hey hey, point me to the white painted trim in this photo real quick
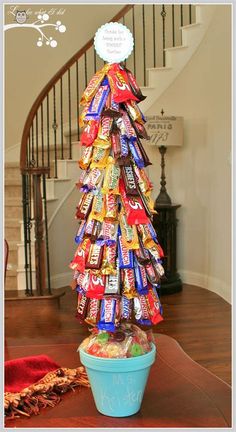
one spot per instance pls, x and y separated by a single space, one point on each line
61 280
208 282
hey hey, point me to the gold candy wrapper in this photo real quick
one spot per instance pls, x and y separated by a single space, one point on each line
93 85
111 179
98 208
104 144
146 237
129 232
86 158
100 157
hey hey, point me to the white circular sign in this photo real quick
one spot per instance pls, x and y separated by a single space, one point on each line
113 42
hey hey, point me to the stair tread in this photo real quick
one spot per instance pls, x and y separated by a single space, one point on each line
13 182
10 222
176 48
12 165
13 201
160 68
13 244
196 24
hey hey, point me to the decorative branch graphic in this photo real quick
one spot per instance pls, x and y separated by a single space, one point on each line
38 25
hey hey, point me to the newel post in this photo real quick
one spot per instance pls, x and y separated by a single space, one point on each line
39 236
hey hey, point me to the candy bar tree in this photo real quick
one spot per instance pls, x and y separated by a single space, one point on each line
117 265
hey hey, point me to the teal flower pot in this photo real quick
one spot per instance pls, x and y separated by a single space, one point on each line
118 384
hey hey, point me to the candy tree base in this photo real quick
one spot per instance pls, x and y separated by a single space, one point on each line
118 384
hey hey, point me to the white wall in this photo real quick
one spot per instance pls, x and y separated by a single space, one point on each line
199 173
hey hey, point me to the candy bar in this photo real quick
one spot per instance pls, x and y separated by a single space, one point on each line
133 110
111 108
107 314
100 157
151 272
86 158
154 306
141 131
113 282
94 260
134 86
94 84
140 278
118 81
93 311
98 102
109 259
92 179
111 206
126 256
116 144
136 153
124 146
133 207
128 283
146 237
96 286
129 180
89 133
80 257
126 308
105 128
144 154
84 205
82 305
141 310
108 234
111 179
95 230
98 207
80 232
130 131
129 232
142 254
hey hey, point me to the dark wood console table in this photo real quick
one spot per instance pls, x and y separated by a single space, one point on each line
180 393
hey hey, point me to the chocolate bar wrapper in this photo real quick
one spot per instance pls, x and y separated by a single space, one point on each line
142 315
89 133
119 84
98 102
82 305
133 207
84 205
93 312
94 260
109 259
140 278
107 314
129 180
113 282
94 84
84 162
126 308
111 205
129 233
80 233
126 256
128 283
100 157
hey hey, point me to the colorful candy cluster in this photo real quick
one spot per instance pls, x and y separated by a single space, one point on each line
117 264
128 341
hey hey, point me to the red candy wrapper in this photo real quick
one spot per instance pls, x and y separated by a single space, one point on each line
133 207
89 133
94 260
96 287
154 307
119 84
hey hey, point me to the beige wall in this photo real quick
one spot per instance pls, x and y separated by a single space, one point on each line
28 68
199 173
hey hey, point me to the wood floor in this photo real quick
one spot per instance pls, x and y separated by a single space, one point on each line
198 319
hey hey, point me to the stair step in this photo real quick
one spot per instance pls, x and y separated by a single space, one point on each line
13 188
12 171
189 26
11 281
12 229
13 252
176 48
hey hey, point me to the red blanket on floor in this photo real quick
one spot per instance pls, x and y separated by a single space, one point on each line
22 372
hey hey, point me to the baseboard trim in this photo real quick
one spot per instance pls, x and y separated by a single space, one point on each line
208 282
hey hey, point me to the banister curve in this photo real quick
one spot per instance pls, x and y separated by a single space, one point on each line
49 86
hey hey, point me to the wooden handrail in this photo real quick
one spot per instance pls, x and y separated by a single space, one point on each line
49 86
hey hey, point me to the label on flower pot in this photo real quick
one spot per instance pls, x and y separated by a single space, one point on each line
113 42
